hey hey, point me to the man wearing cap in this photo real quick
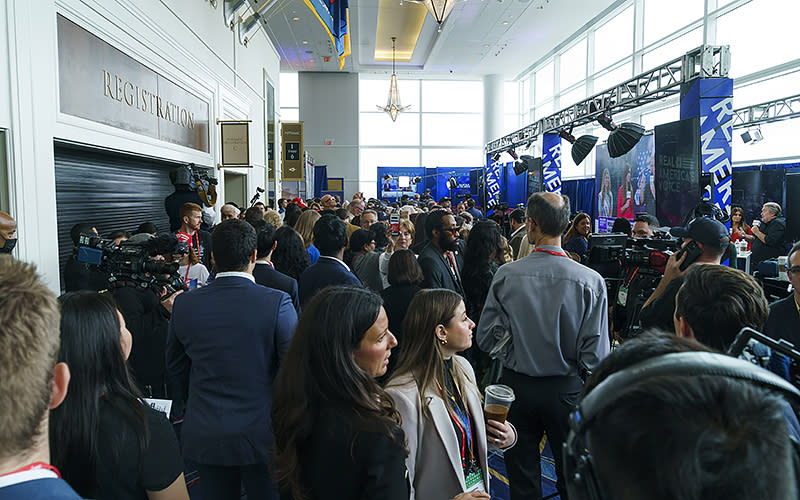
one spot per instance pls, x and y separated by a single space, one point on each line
8 233
712 238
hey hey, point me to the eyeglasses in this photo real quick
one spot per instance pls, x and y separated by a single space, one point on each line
795 269
451 230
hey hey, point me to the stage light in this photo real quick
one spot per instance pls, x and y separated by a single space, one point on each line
495 156
622 138
581 147
752 136
513 154
527 163
416 180
452 183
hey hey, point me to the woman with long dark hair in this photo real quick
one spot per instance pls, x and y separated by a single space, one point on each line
436 394
337 433
740 229
577 238
482 257
105 441
290 256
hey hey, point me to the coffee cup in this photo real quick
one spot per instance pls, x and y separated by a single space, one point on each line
756 223
497 402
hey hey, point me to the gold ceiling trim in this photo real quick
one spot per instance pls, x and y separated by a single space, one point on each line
402 21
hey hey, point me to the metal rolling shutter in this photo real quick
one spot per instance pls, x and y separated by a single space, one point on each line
108 189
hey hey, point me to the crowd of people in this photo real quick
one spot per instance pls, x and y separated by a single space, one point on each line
342 349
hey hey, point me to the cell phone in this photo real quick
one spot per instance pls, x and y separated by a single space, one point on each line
394 224
692 251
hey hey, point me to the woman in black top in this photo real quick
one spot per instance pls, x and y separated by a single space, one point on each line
405 276
105 440
337 433
290 256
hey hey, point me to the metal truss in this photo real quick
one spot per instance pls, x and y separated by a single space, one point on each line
705 61
767 112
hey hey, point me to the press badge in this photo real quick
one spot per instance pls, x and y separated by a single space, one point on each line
474 481
622 296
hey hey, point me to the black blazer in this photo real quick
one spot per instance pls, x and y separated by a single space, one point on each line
352 460
437 270
326 272
224 345
396 300
783 321
267 276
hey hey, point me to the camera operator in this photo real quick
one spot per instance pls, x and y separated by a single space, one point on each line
644 226
181 178
704 241
147 312
80 275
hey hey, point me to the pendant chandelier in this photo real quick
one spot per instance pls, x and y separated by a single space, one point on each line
439 9
393 106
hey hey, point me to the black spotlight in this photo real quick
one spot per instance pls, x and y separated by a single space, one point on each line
622 138
581 147
527 163
416 180
452 183
495 156
513 154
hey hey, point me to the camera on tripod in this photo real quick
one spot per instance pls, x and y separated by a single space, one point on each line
134 263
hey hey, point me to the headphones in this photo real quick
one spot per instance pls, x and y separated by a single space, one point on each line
579 470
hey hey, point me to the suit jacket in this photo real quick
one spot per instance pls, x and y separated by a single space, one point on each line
39 489
354 458
434 460
267 276
437 271
224 345
784 321
326 272
516 240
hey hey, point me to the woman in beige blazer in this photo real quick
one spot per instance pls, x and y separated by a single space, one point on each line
435 392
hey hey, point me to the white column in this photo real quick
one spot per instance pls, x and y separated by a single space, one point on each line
492 107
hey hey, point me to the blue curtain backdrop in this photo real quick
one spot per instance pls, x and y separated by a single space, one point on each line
581 195
320 180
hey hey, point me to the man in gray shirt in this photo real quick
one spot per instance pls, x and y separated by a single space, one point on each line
556 312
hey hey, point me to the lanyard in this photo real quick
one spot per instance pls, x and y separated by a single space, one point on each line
35 466
559 254
460 417
451 263
186 277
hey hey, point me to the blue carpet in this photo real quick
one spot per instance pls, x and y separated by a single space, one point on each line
498 484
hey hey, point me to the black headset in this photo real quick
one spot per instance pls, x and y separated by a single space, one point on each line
579 469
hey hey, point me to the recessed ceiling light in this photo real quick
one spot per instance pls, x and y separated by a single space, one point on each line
295 18
505 22
305 42
486 46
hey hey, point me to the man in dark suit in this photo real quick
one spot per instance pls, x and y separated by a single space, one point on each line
330 238
784 315
518 231
224 345
264 272
440 261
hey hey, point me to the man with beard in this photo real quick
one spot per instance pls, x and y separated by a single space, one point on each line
440 261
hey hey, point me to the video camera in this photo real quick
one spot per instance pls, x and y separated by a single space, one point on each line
195 178
632 268
134 262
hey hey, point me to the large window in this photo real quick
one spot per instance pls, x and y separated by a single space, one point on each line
662 18
443 128
289 96
613 41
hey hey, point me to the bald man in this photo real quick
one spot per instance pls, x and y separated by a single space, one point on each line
8 233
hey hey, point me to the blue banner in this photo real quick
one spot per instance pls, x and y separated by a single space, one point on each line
494 182
334 16
551 161
712 100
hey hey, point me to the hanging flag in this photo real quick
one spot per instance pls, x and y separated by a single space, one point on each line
335 18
